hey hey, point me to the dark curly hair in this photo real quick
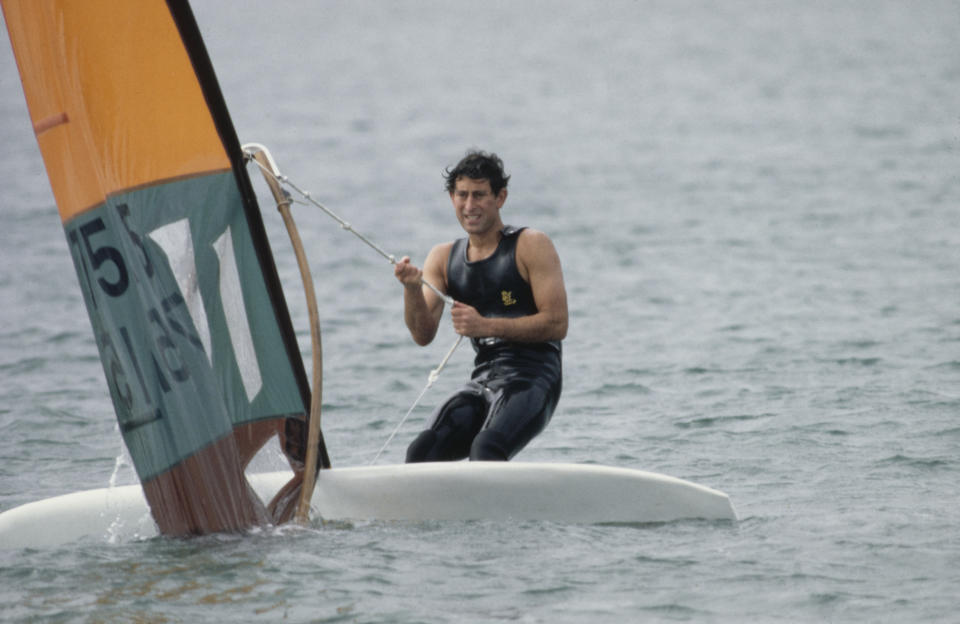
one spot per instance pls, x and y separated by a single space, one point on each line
478 165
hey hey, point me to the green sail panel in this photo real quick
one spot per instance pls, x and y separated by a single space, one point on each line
182 317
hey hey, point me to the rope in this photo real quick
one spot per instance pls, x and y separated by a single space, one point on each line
249 150
343 224
434 374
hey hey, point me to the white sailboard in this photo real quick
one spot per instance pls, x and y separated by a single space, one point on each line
460 491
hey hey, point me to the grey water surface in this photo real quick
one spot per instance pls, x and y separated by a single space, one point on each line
756 206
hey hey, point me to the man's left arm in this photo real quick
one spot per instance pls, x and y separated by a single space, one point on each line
539 264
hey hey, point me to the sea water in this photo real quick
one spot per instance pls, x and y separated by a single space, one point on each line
756 207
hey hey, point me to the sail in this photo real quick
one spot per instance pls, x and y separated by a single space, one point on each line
194 336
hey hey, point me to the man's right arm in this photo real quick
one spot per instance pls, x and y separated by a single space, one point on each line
422 308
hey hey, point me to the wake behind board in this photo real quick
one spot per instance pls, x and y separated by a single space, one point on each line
509 491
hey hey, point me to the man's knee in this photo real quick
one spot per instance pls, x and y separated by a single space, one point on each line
421 447
490 445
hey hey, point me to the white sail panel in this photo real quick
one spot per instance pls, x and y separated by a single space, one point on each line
237 322
175 240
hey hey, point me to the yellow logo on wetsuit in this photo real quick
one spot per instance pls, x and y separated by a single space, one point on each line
507 297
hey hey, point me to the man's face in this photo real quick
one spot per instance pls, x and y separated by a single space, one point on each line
477 208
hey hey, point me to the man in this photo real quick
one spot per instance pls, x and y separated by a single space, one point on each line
510 301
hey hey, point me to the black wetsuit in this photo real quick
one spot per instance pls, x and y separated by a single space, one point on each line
514 387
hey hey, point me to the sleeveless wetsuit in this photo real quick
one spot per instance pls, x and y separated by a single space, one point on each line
514 387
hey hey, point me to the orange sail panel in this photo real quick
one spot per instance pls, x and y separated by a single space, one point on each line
112 95
194 335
